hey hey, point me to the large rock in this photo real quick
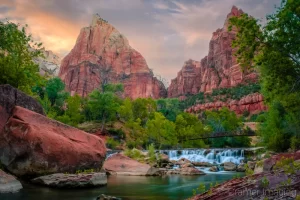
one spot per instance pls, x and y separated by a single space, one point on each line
81 180
120 164
11 97
8 183
229 166
103 55
33 145
270 184
252 103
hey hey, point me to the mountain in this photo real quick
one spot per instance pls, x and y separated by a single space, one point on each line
103 55
49 65
219 69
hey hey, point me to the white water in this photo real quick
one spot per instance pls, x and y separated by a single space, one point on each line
215 156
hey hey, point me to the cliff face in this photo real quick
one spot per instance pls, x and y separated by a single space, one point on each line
253 103
219 69
102 55
49 65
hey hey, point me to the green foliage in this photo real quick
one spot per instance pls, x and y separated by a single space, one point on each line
249 171
143 109
226 121
55 91
273 49
222 94
288 165
137 136
170 108
161 131
103 106
112 144
17 52
126 110
134 154
265 182
151 153
188 126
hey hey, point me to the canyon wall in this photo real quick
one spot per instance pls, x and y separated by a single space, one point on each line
219 69
103 55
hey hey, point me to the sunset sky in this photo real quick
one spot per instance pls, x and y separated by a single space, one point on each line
165 32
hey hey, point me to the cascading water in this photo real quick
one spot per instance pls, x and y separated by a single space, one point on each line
213 156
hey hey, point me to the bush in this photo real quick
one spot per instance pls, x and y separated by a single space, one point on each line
111 143
134 154
151 153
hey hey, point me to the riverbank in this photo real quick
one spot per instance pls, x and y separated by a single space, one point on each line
171 187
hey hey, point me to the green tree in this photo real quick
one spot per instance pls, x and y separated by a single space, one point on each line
55 90
161 131
17 52
103 106
273 50
125 110
226 121
137 135
170 108
143 109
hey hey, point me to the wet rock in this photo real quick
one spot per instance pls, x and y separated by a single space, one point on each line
229 166
120 164
186 165
8 183
32 145
213 169
182 161
251 165
191 171
241 168
106 197
202 164
81 180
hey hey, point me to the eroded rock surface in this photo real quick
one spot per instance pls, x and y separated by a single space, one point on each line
103 55
33 145
8 183
81 180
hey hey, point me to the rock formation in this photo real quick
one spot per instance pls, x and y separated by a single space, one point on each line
252 103
49 64
8 183
33 145
103 55
11 97
219 69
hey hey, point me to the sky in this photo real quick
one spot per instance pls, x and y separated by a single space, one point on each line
165 32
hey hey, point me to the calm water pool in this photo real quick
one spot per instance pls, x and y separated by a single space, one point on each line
127 187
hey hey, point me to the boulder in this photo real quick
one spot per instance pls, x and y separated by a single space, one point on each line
251 165
186 165
241 168
8 183
11 97
120 164
213 169
202 164
33 145
81 180
229 166
106 197
182 161
191 171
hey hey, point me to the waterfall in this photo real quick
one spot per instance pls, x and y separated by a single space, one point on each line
213 156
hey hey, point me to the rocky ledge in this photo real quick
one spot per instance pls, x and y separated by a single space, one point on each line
277 177
8 183
61 180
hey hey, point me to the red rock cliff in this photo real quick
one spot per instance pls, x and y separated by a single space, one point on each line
218 69
103 55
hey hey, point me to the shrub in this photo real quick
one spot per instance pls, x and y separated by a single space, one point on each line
111 143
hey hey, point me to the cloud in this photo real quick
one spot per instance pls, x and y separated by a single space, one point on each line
165 32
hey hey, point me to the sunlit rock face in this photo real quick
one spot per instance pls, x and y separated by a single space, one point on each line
219 69
103 55
48 64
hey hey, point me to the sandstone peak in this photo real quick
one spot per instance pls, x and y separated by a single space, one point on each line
97 20
103 55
